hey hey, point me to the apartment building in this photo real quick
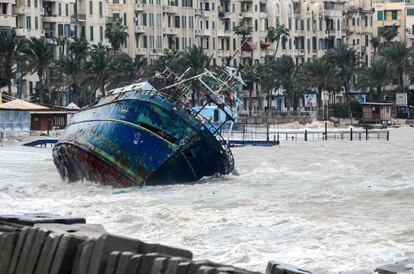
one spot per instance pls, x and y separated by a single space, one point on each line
358 18
8 13
398 15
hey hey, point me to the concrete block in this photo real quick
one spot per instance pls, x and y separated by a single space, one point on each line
133 264
147 261
30 219
172 264
183 267
112 262
47 253
6 253
83 256
27 247
123 262
196 265
35 250
281 268
159 265
167 250
91 231
206 270
65 255
17 250
404 266
103 247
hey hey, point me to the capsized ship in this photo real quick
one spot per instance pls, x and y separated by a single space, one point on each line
148 134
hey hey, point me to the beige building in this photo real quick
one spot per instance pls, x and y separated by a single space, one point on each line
398 15
358 20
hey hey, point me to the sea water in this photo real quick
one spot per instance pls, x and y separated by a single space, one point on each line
326 206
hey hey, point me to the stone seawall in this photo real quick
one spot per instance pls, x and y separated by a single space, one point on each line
52 244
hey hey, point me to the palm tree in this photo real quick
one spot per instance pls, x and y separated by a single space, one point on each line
389 33
399 57
250 76
275 34
39 55
70 66
10 50
317 73
127 69
116 33
345 60
243 29
195 58
168 59
376 76
98 67
375 41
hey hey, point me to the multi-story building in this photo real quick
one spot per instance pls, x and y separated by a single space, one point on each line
8 13
358 19
397 15
154 25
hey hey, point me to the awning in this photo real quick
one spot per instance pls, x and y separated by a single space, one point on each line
249 46
18 104
264 45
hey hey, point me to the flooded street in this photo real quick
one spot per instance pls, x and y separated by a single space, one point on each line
326 206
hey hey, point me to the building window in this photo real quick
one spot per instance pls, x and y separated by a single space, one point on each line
144 19
60 9
380 15
410 12
28 23
91 33
394 15
90 8
101 33
100 9
28 3
177 21
145 41
36 22
35 3
4 8
115 2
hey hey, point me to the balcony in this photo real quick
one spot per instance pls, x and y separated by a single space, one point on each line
224 33
139 7
246 14
141 51
170 9
21 32
390 23
202 32
141 29
170 31
20 10
224 15
224 53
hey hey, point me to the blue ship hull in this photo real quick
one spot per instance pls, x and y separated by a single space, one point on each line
137 138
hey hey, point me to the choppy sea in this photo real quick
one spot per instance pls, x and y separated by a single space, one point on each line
326 206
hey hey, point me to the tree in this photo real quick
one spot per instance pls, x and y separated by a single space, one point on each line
98 68
126 69
345 61
168 59
275 34
250 75
317 73
70 65
195 58
39 56
399 57
376 76
375 41
244 30
389 33
116 33
10 52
